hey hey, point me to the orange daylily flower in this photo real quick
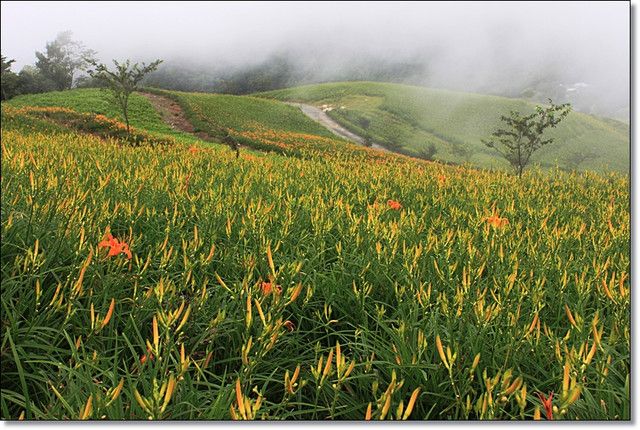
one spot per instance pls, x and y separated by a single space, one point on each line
394 204
289 325
267 288
548 408
144 356
496 221
193 149
115 246
186 181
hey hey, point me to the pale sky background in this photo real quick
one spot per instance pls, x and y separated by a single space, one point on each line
472 40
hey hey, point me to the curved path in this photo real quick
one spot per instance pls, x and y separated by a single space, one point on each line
173 116
325 120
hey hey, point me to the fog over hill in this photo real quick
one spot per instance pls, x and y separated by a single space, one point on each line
570 51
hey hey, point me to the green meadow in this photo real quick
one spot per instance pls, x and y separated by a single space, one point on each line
305 277
413 118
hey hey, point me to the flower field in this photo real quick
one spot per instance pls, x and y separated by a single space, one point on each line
96 124
315 280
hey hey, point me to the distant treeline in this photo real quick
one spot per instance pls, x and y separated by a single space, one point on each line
276 72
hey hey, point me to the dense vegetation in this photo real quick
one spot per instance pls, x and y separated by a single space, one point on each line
314 280
93 101
276 72
410 119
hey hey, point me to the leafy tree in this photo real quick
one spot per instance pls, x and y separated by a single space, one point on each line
463 151
31 81
524 135
6 65
392 136
122 82
576 158
364 123
86 81
428 153
63 57
528 93
9 79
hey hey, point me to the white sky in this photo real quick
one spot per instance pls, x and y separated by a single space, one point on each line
589 35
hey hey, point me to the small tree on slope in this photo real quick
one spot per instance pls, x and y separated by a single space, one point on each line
524 135
123 81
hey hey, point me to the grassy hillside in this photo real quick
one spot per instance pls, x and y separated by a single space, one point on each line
244 113
269 125
454 122
314 280
142 115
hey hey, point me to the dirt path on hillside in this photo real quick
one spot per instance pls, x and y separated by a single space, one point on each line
325 120
173 115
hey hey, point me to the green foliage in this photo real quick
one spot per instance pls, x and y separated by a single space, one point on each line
328 286
31 81
429 152
28 81
121 82
463 151
364 122
63 57
97 125
142 115
9 79
277 71
392 136
575 159
524 134
528 93
214 113
452 120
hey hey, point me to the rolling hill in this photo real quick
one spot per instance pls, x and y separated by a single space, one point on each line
403 118
413 118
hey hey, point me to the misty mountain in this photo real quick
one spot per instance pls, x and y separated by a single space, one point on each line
294 68
576 52
279 71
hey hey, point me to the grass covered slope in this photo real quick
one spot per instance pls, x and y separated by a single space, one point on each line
244 113
415 117
185 283
142 115
269 125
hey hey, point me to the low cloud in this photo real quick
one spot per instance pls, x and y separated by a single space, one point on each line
470 46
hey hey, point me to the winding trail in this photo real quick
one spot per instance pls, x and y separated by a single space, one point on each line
325 120
173 116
